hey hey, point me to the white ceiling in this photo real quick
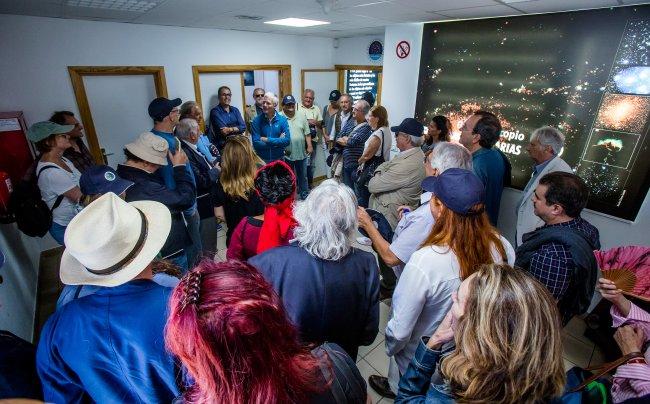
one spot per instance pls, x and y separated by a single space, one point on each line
348 17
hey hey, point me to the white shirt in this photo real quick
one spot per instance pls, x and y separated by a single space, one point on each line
57 181
422 298
409 234
385 144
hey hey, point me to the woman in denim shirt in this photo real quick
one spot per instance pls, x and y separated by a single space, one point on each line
506 347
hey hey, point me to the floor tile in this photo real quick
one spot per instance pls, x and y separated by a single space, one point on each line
365 350
597 358
378 359
576 328
568 365
577 351
366 371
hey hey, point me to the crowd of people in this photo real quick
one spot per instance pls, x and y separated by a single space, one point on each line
148 315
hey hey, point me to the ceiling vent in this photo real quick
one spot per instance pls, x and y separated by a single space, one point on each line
248 17
135 6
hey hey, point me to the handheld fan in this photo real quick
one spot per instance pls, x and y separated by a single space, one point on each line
629 268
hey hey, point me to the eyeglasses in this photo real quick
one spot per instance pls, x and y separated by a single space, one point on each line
226 95
258 95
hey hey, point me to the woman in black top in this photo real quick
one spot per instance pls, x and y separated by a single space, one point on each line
234 195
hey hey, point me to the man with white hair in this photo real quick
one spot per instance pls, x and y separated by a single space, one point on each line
544 148
397 182
354 142
329 288
202 231
414 226
270 131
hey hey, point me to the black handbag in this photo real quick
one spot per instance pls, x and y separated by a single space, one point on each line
370 166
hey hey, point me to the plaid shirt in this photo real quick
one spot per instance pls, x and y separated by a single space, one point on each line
81 159
553 265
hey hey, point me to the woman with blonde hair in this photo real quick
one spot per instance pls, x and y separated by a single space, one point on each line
235 196
460 241
507 345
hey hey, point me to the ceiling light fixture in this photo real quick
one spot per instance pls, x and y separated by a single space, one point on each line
296 22
137 6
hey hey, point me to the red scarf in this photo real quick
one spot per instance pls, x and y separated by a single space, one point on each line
278 224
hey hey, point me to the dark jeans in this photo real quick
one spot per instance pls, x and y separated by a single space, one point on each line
300 168
363 195
388 277
349 175
193 251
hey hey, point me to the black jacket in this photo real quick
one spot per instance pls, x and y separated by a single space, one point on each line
581 245
205 177
151 187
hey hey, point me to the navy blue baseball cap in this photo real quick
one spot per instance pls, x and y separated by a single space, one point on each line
382 225
458 189
161 107
288 99
335 95
410 126
98 180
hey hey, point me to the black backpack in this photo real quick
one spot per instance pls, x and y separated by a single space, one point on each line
33 217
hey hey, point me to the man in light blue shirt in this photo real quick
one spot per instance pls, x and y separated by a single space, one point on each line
415 226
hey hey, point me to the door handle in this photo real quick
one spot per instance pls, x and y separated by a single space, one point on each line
105 155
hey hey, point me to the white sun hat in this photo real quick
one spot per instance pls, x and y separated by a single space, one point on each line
111 241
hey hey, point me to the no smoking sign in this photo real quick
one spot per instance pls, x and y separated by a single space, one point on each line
403 49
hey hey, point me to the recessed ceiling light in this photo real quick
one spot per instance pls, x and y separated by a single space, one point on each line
118 5
296 22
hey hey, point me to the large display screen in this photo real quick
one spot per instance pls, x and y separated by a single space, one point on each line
585 72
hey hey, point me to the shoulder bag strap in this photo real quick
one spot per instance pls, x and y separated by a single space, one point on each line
604 368
59 198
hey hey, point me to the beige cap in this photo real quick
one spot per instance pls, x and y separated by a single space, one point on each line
150 147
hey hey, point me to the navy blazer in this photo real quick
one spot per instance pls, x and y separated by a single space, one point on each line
151 187
333 301
205 176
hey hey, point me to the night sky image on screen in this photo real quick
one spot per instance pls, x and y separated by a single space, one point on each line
577 71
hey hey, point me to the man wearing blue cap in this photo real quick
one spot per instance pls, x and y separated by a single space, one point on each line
397 182
270 131
301 143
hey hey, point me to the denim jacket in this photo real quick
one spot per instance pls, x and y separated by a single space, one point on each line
416 385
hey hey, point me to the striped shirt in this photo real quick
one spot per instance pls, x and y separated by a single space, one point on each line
632 380
354 148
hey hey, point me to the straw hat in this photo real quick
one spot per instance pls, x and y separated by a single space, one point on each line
111 241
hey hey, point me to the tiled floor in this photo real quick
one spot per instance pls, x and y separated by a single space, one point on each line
372 359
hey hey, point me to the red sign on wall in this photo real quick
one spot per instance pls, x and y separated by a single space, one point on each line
403 49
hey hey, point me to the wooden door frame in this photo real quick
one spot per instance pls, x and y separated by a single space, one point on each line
77 74
302 77
284 77
342 68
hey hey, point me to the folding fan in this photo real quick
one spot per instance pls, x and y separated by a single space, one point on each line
629 268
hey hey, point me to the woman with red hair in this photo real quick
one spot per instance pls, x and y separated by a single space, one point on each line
230 331
275 184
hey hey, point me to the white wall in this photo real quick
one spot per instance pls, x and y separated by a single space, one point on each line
399 96
35 53
354 51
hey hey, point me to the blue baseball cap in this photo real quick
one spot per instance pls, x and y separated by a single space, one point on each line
410 126
458 189
335 95
98 180
160 107
288 99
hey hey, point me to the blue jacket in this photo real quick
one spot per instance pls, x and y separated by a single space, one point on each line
422 384
109 347
334 301
273 148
